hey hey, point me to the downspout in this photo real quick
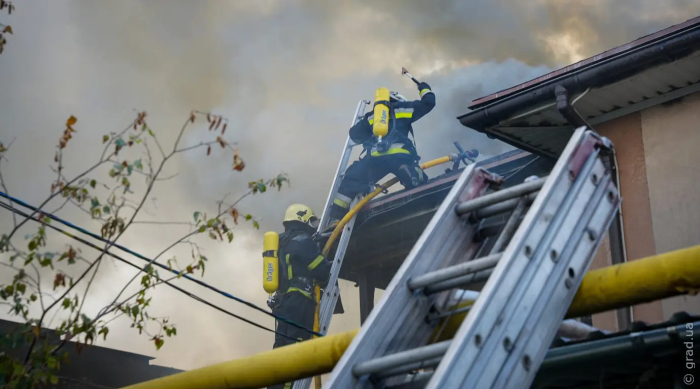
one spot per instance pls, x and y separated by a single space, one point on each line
618 249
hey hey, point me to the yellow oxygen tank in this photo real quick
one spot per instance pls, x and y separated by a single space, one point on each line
380 127
271 243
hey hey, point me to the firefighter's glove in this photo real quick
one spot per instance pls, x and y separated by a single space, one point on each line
422 86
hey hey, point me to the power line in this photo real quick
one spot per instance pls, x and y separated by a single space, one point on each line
191 295
137 255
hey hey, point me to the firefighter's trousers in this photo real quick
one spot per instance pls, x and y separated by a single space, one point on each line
297 308
362 174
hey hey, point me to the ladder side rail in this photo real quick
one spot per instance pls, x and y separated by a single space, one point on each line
535 272
331 293
483 327
557 297
498 288
342 165
332 287
399 309
545 274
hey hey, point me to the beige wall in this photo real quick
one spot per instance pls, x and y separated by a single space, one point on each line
627 136
671 135
658 156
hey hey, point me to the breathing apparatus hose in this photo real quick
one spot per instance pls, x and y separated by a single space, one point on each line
346 219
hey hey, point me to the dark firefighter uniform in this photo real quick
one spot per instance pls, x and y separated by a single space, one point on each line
395 154
301 266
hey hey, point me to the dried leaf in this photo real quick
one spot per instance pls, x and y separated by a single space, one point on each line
208 118
238 163
192 117
223 129
221 141
218 122
208 150
71 121
7 29
234 214
36 331
211 126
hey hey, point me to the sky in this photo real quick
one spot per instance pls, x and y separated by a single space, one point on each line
288 76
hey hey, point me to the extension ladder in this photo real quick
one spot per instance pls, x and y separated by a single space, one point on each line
533 263
330 295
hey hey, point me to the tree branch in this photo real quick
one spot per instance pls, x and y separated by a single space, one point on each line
4 187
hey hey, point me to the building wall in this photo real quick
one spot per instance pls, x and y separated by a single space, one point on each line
658 157
671 135
606 320
627 136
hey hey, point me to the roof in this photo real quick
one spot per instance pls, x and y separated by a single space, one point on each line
482 101
94 366
651 70
643 356
388 227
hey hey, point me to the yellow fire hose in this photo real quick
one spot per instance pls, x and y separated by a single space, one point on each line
346 219
640 281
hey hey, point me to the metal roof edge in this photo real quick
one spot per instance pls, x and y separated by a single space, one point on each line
591 61
665 49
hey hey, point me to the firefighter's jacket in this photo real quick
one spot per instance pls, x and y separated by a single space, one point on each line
403 114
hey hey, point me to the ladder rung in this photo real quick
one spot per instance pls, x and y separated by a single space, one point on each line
417 382
402 358
454 271
504 206
427 364
499 196
473 278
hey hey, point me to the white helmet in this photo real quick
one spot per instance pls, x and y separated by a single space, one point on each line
396 96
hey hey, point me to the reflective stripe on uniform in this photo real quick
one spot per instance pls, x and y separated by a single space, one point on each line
425 91
289 267
342 201
315 263
395 148
305 293
403 113
370 119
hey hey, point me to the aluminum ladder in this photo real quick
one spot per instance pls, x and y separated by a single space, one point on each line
533 263
330 295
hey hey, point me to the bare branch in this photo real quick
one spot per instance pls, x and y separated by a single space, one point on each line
201 144
163 223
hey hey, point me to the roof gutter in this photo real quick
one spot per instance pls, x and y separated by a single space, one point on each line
624 65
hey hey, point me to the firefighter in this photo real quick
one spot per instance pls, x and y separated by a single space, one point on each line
395 153
301 265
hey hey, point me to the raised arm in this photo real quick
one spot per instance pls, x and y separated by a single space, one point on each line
426 103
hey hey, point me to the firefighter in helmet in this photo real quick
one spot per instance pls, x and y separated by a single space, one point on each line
301 266
395 153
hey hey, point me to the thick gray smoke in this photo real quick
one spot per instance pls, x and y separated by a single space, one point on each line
288 75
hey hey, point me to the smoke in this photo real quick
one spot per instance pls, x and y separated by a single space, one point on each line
288 76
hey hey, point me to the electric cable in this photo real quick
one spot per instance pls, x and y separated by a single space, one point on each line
137 255
94 246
